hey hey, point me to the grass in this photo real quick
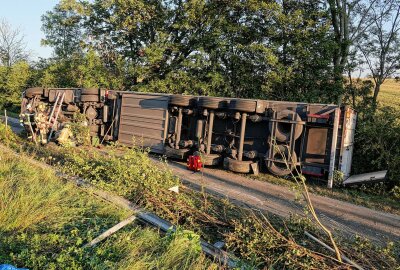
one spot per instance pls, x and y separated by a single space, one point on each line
45 221
390 93
260 242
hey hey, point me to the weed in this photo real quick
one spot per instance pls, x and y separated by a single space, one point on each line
130 173
44 223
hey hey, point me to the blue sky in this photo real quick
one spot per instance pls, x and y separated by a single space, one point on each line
26 14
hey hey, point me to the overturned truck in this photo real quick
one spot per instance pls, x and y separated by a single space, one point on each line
243 135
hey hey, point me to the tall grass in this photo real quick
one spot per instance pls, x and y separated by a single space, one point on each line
44 223
174 251
130 172
30 196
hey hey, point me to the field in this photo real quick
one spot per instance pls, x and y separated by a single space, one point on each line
390 93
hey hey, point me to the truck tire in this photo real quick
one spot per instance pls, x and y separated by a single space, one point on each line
282 153
181 100
243 105
90 91
176 153
90 98
282 132
35 91
213 103
211 159
239 166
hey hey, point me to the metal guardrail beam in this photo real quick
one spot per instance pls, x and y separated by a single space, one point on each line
219 255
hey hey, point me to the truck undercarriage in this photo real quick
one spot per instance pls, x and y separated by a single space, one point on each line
243 135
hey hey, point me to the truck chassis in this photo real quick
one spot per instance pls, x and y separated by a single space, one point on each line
243 135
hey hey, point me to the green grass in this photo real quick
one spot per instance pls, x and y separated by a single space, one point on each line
45 221
257 241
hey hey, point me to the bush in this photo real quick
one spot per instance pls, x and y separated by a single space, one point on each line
45 222
377 143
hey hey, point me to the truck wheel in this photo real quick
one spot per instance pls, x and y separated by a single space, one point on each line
282 154
239 166
90 98
213 103
282 132
243 105
176 153
211 159
90 91
181 100
35 91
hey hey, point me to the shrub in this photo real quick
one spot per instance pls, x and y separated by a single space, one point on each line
44 223
377 143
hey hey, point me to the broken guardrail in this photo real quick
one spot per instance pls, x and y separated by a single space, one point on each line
220 256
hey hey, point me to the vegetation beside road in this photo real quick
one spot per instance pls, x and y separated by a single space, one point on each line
45 221
259 242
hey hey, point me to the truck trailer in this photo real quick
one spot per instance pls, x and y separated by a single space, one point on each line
240 135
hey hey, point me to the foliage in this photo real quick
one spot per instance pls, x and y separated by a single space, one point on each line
254 49
13 80
12 45
45 227
377 144
379 42
254 237
76 71
130 172
63 31
7 136
80 130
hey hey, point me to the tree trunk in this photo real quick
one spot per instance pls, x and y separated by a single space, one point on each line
376 90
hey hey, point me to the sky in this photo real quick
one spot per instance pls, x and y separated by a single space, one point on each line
26 15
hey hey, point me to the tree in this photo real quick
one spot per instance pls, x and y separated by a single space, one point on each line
253 49
63 31
12 44
350 20
302 37
380 44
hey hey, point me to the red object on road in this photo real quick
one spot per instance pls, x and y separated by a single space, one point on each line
194 163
